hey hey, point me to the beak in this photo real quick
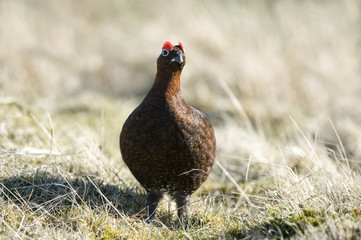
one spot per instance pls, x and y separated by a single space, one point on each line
178 59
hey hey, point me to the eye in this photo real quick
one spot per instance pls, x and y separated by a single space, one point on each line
165 52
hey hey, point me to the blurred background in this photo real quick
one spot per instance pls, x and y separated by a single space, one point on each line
269 74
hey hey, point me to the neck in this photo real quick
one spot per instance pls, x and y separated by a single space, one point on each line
166 84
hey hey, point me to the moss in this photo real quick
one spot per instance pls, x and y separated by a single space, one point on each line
297 222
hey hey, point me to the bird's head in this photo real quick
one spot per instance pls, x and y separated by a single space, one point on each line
172 57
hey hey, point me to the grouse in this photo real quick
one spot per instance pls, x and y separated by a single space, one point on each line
168 145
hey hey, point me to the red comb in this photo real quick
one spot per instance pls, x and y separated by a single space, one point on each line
181 45
168 46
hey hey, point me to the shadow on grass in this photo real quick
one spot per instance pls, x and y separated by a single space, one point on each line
44 191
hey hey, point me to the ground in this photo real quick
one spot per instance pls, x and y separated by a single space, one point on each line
279 80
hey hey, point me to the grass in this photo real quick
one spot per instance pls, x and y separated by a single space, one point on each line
279 80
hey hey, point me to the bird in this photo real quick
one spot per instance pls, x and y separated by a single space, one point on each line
168 145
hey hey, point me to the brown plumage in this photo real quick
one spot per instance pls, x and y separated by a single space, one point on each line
168 145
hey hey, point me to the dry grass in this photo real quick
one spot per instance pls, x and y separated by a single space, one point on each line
280 81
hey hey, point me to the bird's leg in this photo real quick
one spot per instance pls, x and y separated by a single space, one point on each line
152 204
182 205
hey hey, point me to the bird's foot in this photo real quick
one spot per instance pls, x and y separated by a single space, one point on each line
182 224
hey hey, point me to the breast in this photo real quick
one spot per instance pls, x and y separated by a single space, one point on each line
168 147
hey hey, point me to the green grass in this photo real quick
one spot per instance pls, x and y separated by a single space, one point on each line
280 82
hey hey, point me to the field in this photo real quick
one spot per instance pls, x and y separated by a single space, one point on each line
279 80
